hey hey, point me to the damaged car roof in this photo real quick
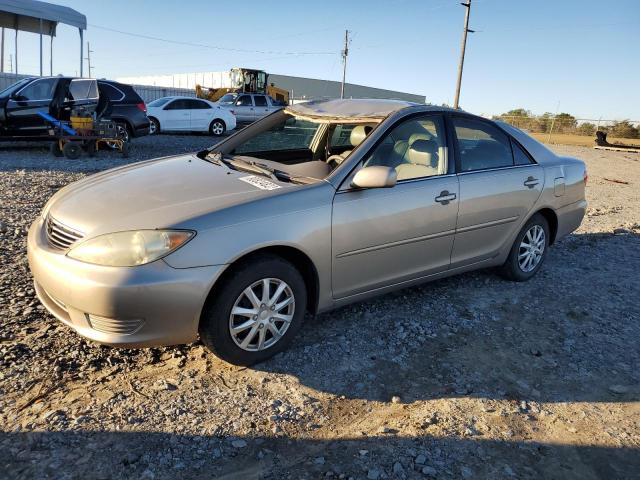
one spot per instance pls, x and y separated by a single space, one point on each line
353 110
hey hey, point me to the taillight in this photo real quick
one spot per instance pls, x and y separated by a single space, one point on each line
142 107
585 177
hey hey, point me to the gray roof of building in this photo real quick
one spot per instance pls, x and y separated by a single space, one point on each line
26 15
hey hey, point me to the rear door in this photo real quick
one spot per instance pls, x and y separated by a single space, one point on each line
243 108
176 115
262 107
201 113
23 107
497 189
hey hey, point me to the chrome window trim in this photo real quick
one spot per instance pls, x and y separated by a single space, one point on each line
495 169
400 182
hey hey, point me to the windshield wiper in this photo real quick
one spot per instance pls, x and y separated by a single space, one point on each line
218 159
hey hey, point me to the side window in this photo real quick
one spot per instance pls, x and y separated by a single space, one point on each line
177 105
416 148
39 90
519 155
481 145
260 100
80 89
244 101
197 105
112 93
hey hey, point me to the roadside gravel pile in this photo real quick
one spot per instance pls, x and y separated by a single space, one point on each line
468 377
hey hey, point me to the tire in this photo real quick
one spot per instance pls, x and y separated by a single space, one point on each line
217 318
520 269
126 149
123 133
154 126
72 150
55 149
217 128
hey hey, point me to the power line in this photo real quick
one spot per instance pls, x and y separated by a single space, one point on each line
201 45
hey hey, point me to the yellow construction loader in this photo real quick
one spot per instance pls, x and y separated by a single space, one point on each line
245 80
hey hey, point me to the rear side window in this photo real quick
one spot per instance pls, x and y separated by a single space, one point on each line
481 145
197 105
520 157
113 94
260 101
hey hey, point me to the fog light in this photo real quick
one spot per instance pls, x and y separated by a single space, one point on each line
114 325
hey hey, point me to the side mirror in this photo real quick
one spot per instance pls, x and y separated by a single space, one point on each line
375 177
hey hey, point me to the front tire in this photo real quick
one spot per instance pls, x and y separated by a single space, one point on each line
154 126
217 128
529 250
256 312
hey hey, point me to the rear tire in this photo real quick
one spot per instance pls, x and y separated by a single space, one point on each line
217 128
529 250
154 126
262 324
72 150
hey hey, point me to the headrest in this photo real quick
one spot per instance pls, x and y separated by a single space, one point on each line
423 152
358 134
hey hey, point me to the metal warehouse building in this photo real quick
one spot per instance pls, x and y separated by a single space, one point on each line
300 88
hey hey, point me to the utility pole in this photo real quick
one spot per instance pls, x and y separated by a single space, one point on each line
466 30
2 52
10 63
89 52
345 53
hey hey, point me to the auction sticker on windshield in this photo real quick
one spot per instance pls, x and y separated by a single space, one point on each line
260 182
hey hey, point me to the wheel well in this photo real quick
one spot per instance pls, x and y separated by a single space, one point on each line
294 256
552 219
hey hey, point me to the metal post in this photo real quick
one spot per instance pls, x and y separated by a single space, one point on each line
89 59
40 47
51 54
16 52
2 52
345 53
81 52
456 100
553 121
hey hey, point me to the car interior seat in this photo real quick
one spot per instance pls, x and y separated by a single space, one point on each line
421 160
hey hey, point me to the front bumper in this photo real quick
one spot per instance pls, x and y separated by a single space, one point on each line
149 305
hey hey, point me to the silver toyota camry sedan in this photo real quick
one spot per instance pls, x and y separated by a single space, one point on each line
313 207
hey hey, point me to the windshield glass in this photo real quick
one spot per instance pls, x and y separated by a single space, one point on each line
12 88
228 98
159 102
292 134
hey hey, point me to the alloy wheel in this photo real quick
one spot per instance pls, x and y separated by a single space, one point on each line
261 314
217 128
531 249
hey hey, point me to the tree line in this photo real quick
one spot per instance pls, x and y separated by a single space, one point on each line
565 123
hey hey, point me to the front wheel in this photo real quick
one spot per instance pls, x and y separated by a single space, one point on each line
256 312
154 126
528 251
217 128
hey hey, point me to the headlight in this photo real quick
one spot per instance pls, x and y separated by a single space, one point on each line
128 249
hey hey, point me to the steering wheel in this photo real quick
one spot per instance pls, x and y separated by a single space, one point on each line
335 160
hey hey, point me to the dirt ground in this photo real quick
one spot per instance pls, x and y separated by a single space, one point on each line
468 377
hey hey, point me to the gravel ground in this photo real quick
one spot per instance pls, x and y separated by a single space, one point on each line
467 377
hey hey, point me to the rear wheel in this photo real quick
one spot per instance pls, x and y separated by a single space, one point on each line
217 128
256 313
122 130
72 150
528 251
154 126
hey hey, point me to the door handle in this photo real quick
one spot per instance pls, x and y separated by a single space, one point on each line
445 197
531 182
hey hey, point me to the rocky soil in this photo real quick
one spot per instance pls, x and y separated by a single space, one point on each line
468 377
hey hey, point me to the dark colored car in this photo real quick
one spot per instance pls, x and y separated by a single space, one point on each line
21 102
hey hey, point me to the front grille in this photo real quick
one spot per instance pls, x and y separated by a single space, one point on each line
114 326
59 235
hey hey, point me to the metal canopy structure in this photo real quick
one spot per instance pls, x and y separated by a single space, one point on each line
39 17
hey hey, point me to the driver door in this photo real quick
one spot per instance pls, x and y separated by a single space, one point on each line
177 115
386 236
23 107
243 109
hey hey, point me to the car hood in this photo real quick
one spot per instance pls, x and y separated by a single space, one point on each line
159 193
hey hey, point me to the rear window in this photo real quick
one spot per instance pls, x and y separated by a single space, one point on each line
113 93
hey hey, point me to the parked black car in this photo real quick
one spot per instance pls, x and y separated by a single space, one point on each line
20 103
